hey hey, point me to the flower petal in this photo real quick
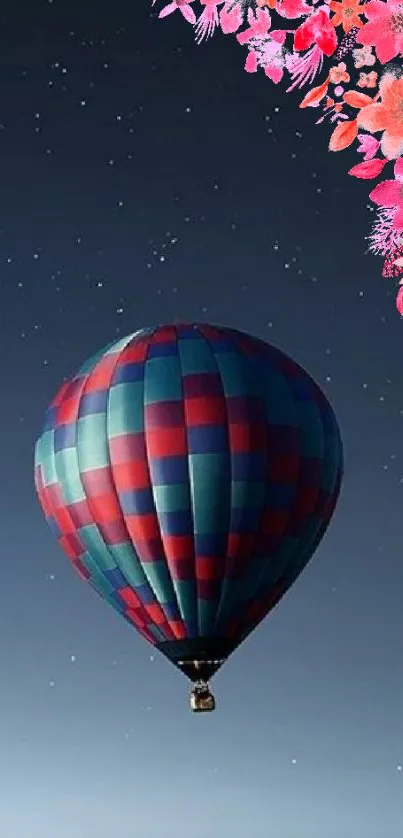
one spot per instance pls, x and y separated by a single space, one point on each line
375 9
230 21
292 9
251 62
398 219
274 73
188 13
399 300
278 35
368 169
315 96
387 85
398 170
356 99
368 34
386 47
373 117
392 143
326 40
343 135
386 194
304 36
368 146
168 10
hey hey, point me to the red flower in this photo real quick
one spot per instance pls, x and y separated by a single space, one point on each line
316 30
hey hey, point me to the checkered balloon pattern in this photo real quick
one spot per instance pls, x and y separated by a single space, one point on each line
189 473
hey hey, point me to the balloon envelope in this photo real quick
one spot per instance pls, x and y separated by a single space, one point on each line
189 473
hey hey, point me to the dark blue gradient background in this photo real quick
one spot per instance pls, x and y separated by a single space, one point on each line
142 181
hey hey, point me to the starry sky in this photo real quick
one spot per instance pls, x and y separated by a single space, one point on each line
146 180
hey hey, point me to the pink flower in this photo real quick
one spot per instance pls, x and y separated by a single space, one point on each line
363 57
389 193
265 48
339 74
183 6
368 79
316 30
368 146
384 30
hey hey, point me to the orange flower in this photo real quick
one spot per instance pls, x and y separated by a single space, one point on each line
346 13
368 79
386 116
339 74
271 4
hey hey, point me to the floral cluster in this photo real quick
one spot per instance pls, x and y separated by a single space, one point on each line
354 49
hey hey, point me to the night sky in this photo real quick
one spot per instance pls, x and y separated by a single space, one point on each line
146 180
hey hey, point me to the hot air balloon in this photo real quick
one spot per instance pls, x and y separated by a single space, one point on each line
189 472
